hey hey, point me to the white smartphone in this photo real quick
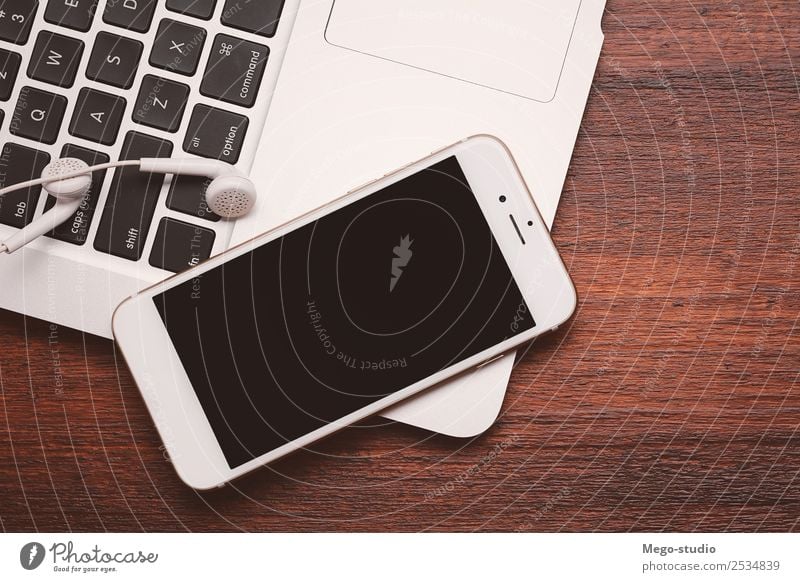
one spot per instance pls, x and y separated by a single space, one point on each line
430 271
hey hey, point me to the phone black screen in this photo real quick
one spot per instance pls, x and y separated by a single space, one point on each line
342 312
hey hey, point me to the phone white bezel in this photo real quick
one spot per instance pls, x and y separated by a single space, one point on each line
178 415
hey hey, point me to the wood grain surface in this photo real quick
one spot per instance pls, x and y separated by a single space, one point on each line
670 402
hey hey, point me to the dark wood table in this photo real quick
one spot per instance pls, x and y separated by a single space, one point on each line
671 401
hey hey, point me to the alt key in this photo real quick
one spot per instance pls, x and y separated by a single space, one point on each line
217 134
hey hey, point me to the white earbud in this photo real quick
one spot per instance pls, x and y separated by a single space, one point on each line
67 188
69 193
230 194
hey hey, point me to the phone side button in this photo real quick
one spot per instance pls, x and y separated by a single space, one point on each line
364 185
489 361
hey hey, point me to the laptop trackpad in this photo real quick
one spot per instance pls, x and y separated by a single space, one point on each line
515 46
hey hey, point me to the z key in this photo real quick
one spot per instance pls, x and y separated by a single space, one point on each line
9 67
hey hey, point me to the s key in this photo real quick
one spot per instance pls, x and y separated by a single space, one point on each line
114 60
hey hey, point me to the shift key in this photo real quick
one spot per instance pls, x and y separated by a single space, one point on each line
132 199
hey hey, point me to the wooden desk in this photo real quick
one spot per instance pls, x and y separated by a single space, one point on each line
671 401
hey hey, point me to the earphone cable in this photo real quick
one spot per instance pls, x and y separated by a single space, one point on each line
75 174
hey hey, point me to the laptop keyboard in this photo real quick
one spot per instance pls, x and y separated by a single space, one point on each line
125 79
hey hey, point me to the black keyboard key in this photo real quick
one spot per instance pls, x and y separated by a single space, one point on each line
179 245
16 19
214 133
9 67
97 116
75 230
55 59
20 164
114 60
258 16
38 115
178 47
132 199
74 14
161 103
234 71
131 14
2 117
188 195
198 8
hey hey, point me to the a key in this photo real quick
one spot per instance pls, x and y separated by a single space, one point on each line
259 16
131 14
38 115
9 67
179 245
114 60
234 71
188 195
20 164
97 116
75 229
2 117
214 133
197 8
55 59
132 199
161 103
16 19
75 14
178 47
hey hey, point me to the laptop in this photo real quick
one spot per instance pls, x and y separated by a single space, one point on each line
312 97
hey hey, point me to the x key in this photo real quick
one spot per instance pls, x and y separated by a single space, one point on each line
178 47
